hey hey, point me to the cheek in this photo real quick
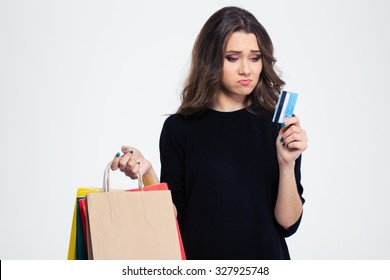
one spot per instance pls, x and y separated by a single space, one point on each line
228 73
257 70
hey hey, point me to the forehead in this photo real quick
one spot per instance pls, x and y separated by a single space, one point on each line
240 41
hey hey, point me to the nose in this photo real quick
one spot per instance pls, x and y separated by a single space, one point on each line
244 68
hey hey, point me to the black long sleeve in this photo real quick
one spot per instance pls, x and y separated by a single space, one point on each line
223 173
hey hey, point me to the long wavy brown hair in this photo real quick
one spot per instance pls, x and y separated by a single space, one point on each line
204 80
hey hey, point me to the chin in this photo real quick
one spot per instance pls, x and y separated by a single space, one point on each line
246 93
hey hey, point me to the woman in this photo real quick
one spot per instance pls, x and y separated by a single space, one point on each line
234 175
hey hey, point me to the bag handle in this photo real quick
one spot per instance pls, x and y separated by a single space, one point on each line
106 179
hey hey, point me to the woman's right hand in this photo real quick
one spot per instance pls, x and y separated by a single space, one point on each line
132 162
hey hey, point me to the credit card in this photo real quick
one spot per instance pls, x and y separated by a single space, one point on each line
285 106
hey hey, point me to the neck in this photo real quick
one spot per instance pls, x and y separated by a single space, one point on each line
225 103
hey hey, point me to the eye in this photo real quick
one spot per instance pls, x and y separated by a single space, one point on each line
255 58
231 59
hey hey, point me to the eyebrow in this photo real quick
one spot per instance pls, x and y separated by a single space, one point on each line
239 52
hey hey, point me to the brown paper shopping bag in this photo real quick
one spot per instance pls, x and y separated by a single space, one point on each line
132 225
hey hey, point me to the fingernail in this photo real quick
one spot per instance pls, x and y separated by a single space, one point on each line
281 139
125 150
131 152
283 124
117 154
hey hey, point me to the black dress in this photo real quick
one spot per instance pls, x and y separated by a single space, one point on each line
222 170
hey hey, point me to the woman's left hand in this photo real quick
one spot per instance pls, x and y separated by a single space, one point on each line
291 141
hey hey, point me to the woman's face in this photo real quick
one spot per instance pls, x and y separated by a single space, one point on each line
242 65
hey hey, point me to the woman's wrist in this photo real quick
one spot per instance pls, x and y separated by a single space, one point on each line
149 177
285 168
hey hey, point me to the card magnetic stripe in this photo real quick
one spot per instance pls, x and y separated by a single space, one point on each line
279 106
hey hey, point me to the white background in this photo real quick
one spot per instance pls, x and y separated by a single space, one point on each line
79 79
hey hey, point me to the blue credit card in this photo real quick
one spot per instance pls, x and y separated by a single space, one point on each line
285 106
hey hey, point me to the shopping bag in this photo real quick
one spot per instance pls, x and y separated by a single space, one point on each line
83 217
81 248
81 245
78 236
164 187
77 246
137 224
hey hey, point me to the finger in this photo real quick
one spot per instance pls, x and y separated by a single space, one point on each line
282 131
292 121
131 163
296 138
115 162
287 123
297 145
293 134
293 129
128 150
123 161
293 139
125 149
286 133
132 169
